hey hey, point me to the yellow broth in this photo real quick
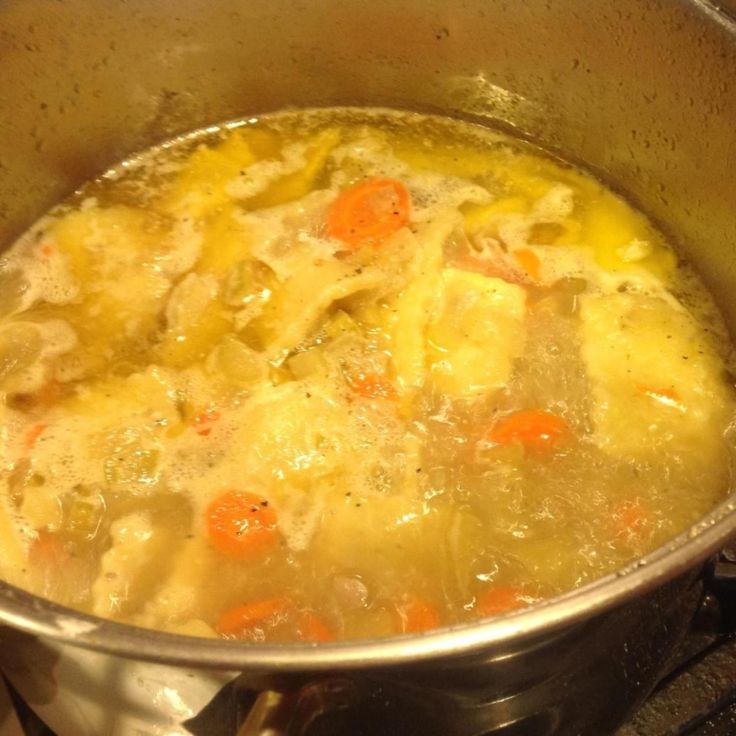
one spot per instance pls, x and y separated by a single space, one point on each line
347 374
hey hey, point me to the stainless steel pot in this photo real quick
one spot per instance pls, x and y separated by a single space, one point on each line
641 91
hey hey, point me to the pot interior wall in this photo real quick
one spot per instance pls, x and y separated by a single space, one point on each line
642 92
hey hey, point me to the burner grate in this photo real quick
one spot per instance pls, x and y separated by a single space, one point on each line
697 699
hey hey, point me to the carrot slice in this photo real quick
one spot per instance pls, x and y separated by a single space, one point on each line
373 386
47 551
202 421
500 600
369 212
236 621
240 621
630 519
530 262
417 614
241 525
33 434
312 628
532 428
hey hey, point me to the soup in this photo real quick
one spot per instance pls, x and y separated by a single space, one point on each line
346 374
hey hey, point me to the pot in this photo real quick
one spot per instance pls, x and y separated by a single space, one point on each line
643 93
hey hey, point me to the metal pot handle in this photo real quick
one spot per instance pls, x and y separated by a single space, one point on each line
278 713
723 579
724 571
721 585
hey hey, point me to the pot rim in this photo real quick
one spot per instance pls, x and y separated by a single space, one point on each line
40 617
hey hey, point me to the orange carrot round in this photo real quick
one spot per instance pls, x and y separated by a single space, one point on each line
33 434
312 628
373 386
369 212
530 262
630 519
47 551
532 428
417 614
500 600
202 421
241 525
236 621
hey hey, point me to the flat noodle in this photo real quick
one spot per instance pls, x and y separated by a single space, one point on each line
472 312
413 306
13 554
126 578
180 597
13 543
655 379
305 298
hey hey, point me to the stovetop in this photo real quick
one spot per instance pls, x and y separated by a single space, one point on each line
697 697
